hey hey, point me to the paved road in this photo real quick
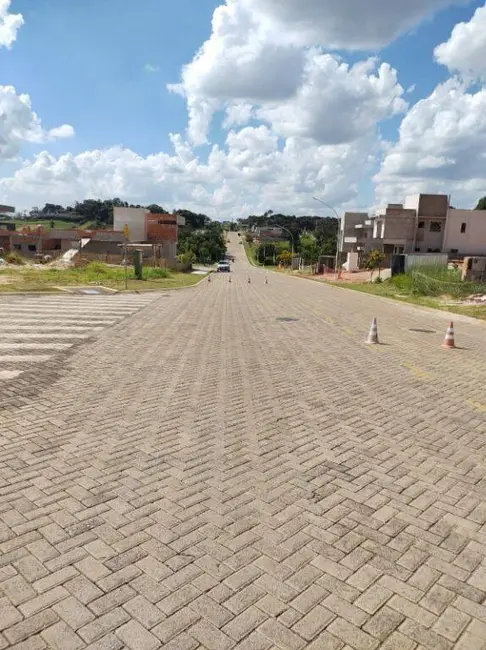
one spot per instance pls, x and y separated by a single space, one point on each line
231 467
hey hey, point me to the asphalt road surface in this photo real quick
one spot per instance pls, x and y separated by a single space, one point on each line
230 466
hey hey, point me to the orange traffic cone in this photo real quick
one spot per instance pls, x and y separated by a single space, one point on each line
373 334
449 342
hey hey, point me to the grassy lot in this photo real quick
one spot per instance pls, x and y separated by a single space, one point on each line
27 278
251 255
250 252
429 287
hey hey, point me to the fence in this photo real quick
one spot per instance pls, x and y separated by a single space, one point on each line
426 259
441 281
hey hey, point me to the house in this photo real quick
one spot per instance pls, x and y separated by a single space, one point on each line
270 233
355 234
394 229
431 211
424 223
7 210
143 227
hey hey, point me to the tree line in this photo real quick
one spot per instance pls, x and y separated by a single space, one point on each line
311 237
201 239
97 212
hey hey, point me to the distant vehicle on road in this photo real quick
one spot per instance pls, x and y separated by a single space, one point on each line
223 266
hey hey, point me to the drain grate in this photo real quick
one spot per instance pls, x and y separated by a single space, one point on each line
420 331
286 319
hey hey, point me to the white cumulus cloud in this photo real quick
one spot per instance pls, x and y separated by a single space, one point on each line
258 55
347 25
336 102
253 172
19 124
465 51
9 24
298 119
61 132
441 147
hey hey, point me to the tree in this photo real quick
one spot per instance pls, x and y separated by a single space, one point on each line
204 244
52 208
375 260
285 258
193 221
481 204
153 208
309 248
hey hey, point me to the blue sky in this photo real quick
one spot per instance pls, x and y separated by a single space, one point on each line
103 67
83 63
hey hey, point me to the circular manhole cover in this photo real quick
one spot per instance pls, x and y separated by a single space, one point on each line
421 331
286 319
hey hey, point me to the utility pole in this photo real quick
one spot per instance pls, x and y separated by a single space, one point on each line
336 261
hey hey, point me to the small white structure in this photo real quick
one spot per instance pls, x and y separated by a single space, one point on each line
352 263
135 219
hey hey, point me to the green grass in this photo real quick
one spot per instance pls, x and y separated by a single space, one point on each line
427 288
250 253
47 279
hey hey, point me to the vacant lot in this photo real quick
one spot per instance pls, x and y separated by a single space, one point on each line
439 288
42 278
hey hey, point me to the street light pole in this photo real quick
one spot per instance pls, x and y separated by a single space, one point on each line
336 260
291 237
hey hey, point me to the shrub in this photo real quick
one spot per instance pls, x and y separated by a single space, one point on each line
285 257
187 258
156 272
97 268
14 258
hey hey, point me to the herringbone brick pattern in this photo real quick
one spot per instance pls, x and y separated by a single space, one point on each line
205 475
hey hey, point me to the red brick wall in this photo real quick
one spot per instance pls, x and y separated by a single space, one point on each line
161 227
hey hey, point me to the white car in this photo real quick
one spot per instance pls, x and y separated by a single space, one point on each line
223 267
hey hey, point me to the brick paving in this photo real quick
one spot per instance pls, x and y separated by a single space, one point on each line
230 466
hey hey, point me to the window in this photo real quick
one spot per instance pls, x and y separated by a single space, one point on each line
17 247
463 228
366 235
429 250
435 226
417 250
32 248
454 250
421 224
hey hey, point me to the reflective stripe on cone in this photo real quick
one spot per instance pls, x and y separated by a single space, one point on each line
373 334
449 342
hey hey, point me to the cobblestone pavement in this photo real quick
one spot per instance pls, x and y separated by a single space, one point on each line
232 467
39 332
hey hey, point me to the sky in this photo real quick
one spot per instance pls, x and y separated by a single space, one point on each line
236 107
